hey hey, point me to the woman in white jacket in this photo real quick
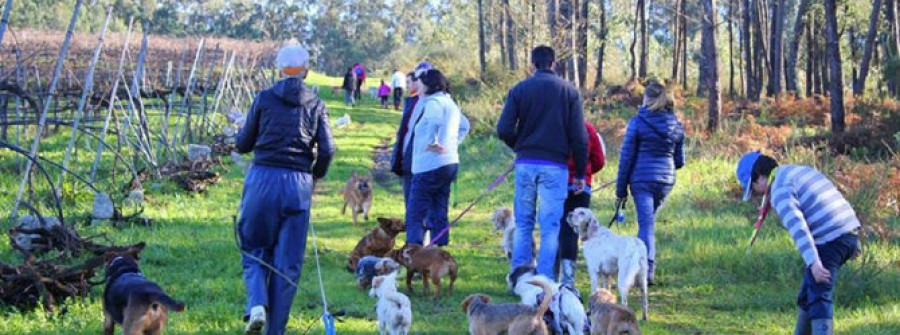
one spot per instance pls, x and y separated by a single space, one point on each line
435 137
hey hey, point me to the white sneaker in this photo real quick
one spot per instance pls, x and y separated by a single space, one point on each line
257 321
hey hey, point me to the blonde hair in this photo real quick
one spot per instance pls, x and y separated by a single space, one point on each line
657 97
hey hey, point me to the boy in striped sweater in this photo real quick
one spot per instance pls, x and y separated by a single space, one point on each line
818 218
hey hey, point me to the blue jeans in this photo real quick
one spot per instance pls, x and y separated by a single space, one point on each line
406 180
547 184
273 225
647 199
429 198
817 299
348 97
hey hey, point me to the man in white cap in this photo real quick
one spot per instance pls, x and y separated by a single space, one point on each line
821 222
287 130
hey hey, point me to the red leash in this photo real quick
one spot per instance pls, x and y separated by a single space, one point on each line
763 212
490 187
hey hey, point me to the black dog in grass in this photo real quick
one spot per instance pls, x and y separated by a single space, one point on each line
133 301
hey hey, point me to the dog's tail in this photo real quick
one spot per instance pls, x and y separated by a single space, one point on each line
170 303
548 296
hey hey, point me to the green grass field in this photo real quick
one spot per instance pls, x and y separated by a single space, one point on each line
708 285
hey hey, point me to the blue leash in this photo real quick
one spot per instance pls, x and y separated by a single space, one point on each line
327 318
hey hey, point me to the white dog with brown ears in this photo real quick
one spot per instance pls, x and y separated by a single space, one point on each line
393 308
608 254
568 312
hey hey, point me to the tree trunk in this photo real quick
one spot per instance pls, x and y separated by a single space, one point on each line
481 61
583 42
684 46
891 45
759 50
790 62
601 49
730 49
634 40
775 47
574 62
834 60
823 64
642 68
511 34
710 58
750 84
859 84
500 34
676 30
810 58
854 56
565 51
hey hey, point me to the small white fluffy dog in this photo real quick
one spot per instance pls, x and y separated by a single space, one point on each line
393 308
566 307
342 121
505 221
608 254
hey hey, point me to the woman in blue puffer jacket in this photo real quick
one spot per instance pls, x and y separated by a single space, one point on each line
651 152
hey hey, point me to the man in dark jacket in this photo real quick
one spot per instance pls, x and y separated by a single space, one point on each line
652 150
349 87
287 130
542 122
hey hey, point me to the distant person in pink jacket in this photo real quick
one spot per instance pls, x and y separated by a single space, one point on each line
384 91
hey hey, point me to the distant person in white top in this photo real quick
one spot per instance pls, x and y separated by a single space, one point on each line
398 82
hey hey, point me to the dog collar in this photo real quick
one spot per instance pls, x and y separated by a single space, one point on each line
115 259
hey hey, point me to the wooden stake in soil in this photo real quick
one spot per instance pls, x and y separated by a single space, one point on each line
112 99
43 118
88 88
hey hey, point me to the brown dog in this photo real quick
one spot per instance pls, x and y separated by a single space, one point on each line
358 194
133 301
608 318
432 262
377 242
491 319
534 324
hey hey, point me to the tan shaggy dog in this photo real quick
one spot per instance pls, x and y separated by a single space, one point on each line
377 242
608 318
432 262
486 318
358 195
534 324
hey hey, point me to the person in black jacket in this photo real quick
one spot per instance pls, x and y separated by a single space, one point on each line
349 87
652 150
287 130
542 122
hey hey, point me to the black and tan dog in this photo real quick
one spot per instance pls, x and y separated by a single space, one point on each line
133 301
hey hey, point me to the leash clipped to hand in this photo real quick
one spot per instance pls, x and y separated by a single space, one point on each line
618 216
490 188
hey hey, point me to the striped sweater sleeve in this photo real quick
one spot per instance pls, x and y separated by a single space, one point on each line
787 203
